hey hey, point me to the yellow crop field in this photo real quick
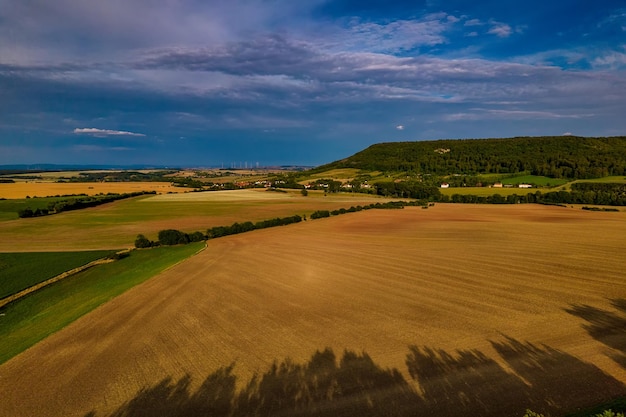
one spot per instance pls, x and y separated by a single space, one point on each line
23 189
482 310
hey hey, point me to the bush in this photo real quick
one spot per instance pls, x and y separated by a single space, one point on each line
143 242
170 237
319 214
197 237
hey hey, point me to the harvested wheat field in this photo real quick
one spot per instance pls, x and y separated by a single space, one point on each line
482 310
23 189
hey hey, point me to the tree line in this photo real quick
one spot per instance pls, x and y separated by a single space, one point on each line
319 214
582 193
77 203
169 237
608 194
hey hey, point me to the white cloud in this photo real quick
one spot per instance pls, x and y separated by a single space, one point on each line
104 132
396 35
612 60
491 114
502 30
473 22
400 127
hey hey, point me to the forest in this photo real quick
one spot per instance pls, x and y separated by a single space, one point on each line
570 157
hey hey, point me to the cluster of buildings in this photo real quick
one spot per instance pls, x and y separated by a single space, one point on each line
496 185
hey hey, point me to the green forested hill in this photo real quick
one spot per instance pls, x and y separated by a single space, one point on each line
556 156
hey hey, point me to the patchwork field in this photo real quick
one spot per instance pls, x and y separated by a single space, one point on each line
115 225
483 310
19 271
23 189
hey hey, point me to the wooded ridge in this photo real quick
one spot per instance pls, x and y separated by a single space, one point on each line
571 157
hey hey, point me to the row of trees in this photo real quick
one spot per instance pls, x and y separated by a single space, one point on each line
236 228
319 214
77 203
408 189
123 176
605 195
176 237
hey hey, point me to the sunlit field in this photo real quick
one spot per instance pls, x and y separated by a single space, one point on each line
488 191
23 189
115 225
483 310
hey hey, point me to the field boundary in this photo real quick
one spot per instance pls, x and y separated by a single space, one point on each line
74 271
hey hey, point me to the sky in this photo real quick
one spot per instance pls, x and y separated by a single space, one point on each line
200 83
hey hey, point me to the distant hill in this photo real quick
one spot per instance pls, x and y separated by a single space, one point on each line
554 156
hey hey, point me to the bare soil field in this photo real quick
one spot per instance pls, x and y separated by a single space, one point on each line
22 189
483 310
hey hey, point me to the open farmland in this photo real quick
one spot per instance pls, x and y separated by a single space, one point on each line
31 318
19 271
488 191
484 310
115 225
23 189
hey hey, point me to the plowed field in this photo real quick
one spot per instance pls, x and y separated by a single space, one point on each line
484 310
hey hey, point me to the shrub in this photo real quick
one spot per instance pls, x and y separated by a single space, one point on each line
197 237
319 214
142 242
173 237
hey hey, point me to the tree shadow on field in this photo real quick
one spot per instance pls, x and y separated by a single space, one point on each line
352 386
466 382
607 327
173 399
558 381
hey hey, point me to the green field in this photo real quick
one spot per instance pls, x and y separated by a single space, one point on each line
536 180
116 225
19 271
10 207
30 319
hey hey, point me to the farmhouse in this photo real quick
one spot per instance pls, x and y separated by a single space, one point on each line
525 186
445 185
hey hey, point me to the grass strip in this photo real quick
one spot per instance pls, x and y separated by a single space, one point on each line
34 317
19 271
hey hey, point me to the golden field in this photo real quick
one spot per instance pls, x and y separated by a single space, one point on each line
473 305
23 189
115 225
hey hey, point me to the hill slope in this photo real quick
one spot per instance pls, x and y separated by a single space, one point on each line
557 156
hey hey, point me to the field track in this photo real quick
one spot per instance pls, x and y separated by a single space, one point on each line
504 303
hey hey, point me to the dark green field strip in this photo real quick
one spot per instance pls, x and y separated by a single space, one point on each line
30 319
19 271
10 207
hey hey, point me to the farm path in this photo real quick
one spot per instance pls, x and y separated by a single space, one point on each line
483 308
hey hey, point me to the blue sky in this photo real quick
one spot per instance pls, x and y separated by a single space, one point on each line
223 82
